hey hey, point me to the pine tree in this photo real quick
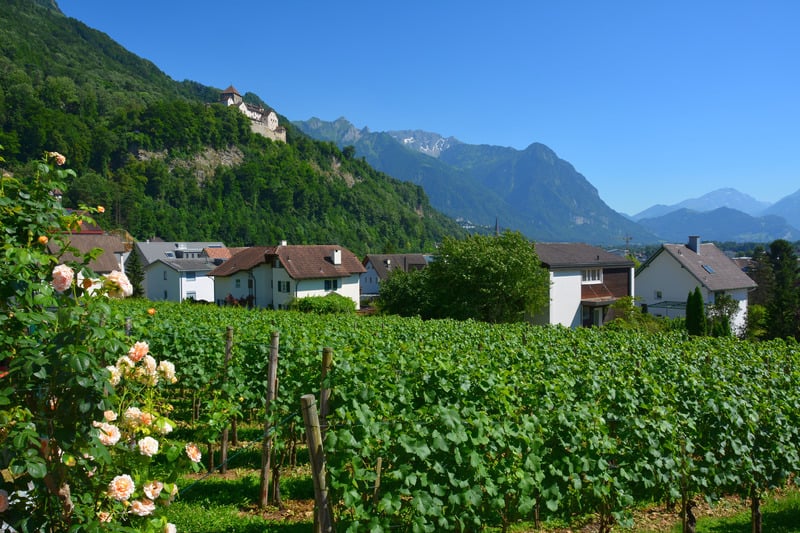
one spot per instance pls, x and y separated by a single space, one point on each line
135 272
695 313
784 305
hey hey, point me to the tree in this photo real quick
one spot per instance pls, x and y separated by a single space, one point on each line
783 306
482 277
405 293
695 313
135 272
720 315
761 273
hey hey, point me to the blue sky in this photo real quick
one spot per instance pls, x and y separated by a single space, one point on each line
653 102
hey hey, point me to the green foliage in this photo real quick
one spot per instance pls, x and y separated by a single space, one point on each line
720 315
481 277
784 305
332 303
65 463
167 164
135 272
695 313
406 294
477 424
630 317
756 328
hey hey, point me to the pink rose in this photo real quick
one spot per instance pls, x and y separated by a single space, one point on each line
118 285
121 487
148 446
138 351
62 278
109 434
142 507
193 452
60 159
153 489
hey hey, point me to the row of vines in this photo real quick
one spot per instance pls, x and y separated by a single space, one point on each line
445 425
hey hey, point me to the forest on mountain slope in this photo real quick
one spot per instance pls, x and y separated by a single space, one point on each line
167 161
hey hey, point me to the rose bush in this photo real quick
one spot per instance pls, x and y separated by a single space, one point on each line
84 443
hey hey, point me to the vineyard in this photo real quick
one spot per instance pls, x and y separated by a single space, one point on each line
445 425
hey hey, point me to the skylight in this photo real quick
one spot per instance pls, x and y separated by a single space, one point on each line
708 269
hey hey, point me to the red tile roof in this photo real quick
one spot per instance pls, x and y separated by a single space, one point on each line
316 261
246 259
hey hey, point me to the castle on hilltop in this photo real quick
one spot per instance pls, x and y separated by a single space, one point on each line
262 121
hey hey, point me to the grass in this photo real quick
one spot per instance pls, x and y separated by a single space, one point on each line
780 514
213 503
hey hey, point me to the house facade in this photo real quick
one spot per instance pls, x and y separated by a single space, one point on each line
178 271
176 280
379 266
274 276
665 280
584 282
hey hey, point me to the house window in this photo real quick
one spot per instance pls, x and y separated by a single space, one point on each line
191 295
238 283
659 295
250 283
165 274
592 275
191 276
283 286
331 284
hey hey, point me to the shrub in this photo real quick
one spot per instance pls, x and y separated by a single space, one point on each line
333 303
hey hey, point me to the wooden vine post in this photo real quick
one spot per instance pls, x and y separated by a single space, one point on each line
325 391
266 447
223 452
322 516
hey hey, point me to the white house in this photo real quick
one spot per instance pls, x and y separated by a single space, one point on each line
274 276
584 281
379 266
665 280
177 271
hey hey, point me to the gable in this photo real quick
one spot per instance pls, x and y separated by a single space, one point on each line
711 268
316 261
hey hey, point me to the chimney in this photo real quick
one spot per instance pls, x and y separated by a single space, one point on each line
283 243
694 243
337 257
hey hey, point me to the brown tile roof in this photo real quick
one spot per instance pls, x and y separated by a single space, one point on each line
385 263
223 253
578 255
245 259
711 266
86 242
316 261
230 89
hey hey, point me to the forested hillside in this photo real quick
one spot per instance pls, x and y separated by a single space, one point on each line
167 161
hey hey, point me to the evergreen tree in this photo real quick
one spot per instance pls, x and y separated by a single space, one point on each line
762 274
135 273
784 304
695 313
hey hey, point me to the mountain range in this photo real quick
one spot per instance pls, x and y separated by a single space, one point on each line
531 190
543 196
168 163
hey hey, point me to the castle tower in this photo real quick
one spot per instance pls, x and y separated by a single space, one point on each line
230 96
